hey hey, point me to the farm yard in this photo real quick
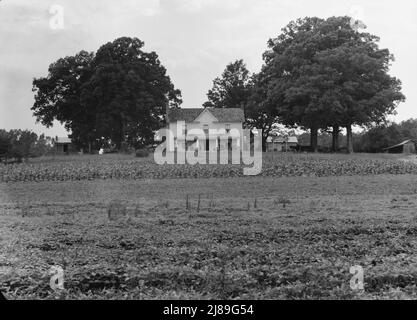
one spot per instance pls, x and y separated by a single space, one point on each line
207 232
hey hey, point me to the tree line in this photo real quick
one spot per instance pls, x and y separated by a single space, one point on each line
320 75
386 135
16 145
373 140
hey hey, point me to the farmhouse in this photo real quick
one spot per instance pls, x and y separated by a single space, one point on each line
407 146
63 145
281 144
228 120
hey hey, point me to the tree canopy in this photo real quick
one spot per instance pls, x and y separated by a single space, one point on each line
232 89
120 93
323 73
237 88
22 144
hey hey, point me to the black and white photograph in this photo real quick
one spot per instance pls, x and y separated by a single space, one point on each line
226 152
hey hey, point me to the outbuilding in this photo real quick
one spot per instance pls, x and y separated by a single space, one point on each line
407 146
281 144
64 145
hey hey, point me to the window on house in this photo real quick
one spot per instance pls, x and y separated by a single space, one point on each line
206 128
228 128
184 130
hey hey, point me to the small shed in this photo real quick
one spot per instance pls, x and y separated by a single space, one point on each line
282 144
407 146
64 145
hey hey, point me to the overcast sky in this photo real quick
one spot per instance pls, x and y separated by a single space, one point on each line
195 40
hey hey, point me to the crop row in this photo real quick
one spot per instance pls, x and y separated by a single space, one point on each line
134 170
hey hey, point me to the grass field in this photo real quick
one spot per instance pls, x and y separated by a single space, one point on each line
267 237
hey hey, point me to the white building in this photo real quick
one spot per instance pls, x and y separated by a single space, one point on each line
228 123
281 144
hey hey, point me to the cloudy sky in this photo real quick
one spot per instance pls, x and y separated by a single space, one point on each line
195 39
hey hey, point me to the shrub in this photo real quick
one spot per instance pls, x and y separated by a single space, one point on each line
142 153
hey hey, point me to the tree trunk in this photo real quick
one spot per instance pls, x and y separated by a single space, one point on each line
264 143
335 142
349 138
313 139
265 135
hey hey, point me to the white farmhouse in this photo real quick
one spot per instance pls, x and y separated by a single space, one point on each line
227 122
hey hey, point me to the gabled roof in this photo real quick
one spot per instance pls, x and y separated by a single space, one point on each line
400 144
206 114
63 140
187 115
222 114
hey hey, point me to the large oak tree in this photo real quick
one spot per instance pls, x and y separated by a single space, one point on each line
324 73
120 93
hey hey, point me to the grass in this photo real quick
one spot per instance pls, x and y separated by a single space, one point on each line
298 242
